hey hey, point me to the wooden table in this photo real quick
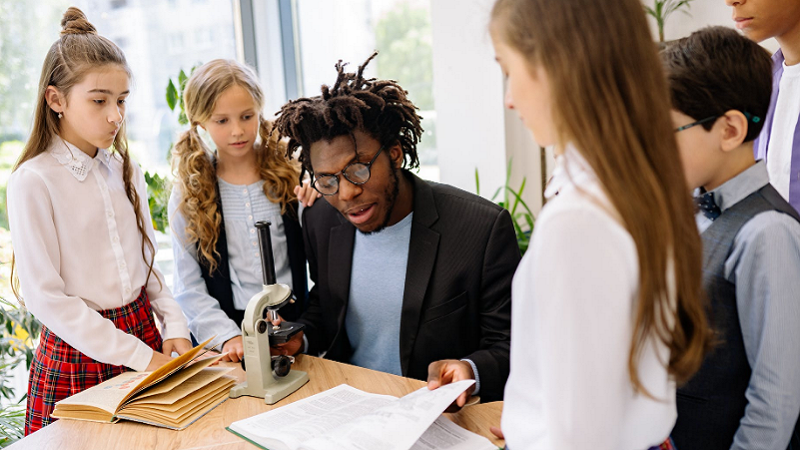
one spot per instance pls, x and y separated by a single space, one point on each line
209 432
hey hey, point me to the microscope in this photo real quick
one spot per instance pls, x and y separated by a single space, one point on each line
268 376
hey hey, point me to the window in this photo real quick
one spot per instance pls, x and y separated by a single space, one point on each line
350 30
147 31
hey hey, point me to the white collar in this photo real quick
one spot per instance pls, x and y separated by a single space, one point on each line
571 169
76 161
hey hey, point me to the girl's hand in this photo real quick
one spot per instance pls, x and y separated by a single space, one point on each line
497 432
306 194
158 360
234 349
177 345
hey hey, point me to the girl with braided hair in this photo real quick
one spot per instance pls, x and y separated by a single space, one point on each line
217 259
82 232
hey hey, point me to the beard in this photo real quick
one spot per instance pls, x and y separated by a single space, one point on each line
391 193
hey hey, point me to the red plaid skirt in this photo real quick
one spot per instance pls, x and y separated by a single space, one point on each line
667 445
59 371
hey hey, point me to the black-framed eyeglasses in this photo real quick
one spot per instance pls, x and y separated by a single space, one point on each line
356 172
699 122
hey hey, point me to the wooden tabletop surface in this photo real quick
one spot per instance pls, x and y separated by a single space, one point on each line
209 432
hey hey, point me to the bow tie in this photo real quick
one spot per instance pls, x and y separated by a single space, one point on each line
706 203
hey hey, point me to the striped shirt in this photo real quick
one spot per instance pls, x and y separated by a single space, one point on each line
242 207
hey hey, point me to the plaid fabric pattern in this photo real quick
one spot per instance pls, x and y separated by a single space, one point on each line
59 371
667 445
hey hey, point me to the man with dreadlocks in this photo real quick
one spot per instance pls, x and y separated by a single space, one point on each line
410 276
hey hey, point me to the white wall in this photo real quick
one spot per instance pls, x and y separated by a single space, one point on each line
473 128
702 13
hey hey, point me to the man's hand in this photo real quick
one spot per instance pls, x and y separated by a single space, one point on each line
306 194
289 348
177 345
234 349
449 371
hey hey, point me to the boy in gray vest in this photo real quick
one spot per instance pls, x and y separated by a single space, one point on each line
747 393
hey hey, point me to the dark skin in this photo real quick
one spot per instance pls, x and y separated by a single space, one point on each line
367 204
369 208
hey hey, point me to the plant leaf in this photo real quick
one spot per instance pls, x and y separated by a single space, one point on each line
172 95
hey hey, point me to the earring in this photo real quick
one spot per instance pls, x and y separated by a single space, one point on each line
60 115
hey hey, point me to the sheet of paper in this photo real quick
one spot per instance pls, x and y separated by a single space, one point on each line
445 435
394 426
305 419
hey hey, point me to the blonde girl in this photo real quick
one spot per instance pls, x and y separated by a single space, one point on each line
81 229
218 197
607 301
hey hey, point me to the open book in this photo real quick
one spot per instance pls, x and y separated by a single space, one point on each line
347 418
173 396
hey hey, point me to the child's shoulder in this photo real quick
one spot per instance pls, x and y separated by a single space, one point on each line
43 165
770 234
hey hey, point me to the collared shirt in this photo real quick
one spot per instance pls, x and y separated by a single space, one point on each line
764 264
78 250
763 143
242 207
575 295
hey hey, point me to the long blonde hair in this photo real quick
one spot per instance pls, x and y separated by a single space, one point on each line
611 101
193 162
79 50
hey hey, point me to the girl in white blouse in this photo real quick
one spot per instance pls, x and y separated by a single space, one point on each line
81 230
607 311
218 197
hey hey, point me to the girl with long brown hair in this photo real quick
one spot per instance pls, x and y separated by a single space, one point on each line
81 229
217 259
607 312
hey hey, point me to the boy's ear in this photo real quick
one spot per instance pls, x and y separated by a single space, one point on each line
55 100
734 130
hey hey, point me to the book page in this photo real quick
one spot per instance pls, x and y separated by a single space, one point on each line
106 395
394 426
192 386
289 426
176 379
445 435
168 369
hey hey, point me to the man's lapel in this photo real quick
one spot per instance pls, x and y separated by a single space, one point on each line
340 263
422 251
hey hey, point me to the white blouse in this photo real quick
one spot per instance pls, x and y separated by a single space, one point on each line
78 250
574 295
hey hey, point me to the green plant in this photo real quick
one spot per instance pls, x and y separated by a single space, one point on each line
662 9
158 190
158 187
175 95
18 331
523 220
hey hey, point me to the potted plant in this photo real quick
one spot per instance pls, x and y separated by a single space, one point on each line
662 9
521 216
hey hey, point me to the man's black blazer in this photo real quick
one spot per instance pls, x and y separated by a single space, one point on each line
457 300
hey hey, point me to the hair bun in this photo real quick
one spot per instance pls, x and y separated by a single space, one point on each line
75 22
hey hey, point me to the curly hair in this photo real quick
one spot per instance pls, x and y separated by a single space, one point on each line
380 108
194 164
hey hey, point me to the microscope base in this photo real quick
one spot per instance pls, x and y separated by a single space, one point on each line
276 391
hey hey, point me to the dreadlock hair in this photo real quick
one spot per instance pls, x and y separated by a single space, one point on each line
380 108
